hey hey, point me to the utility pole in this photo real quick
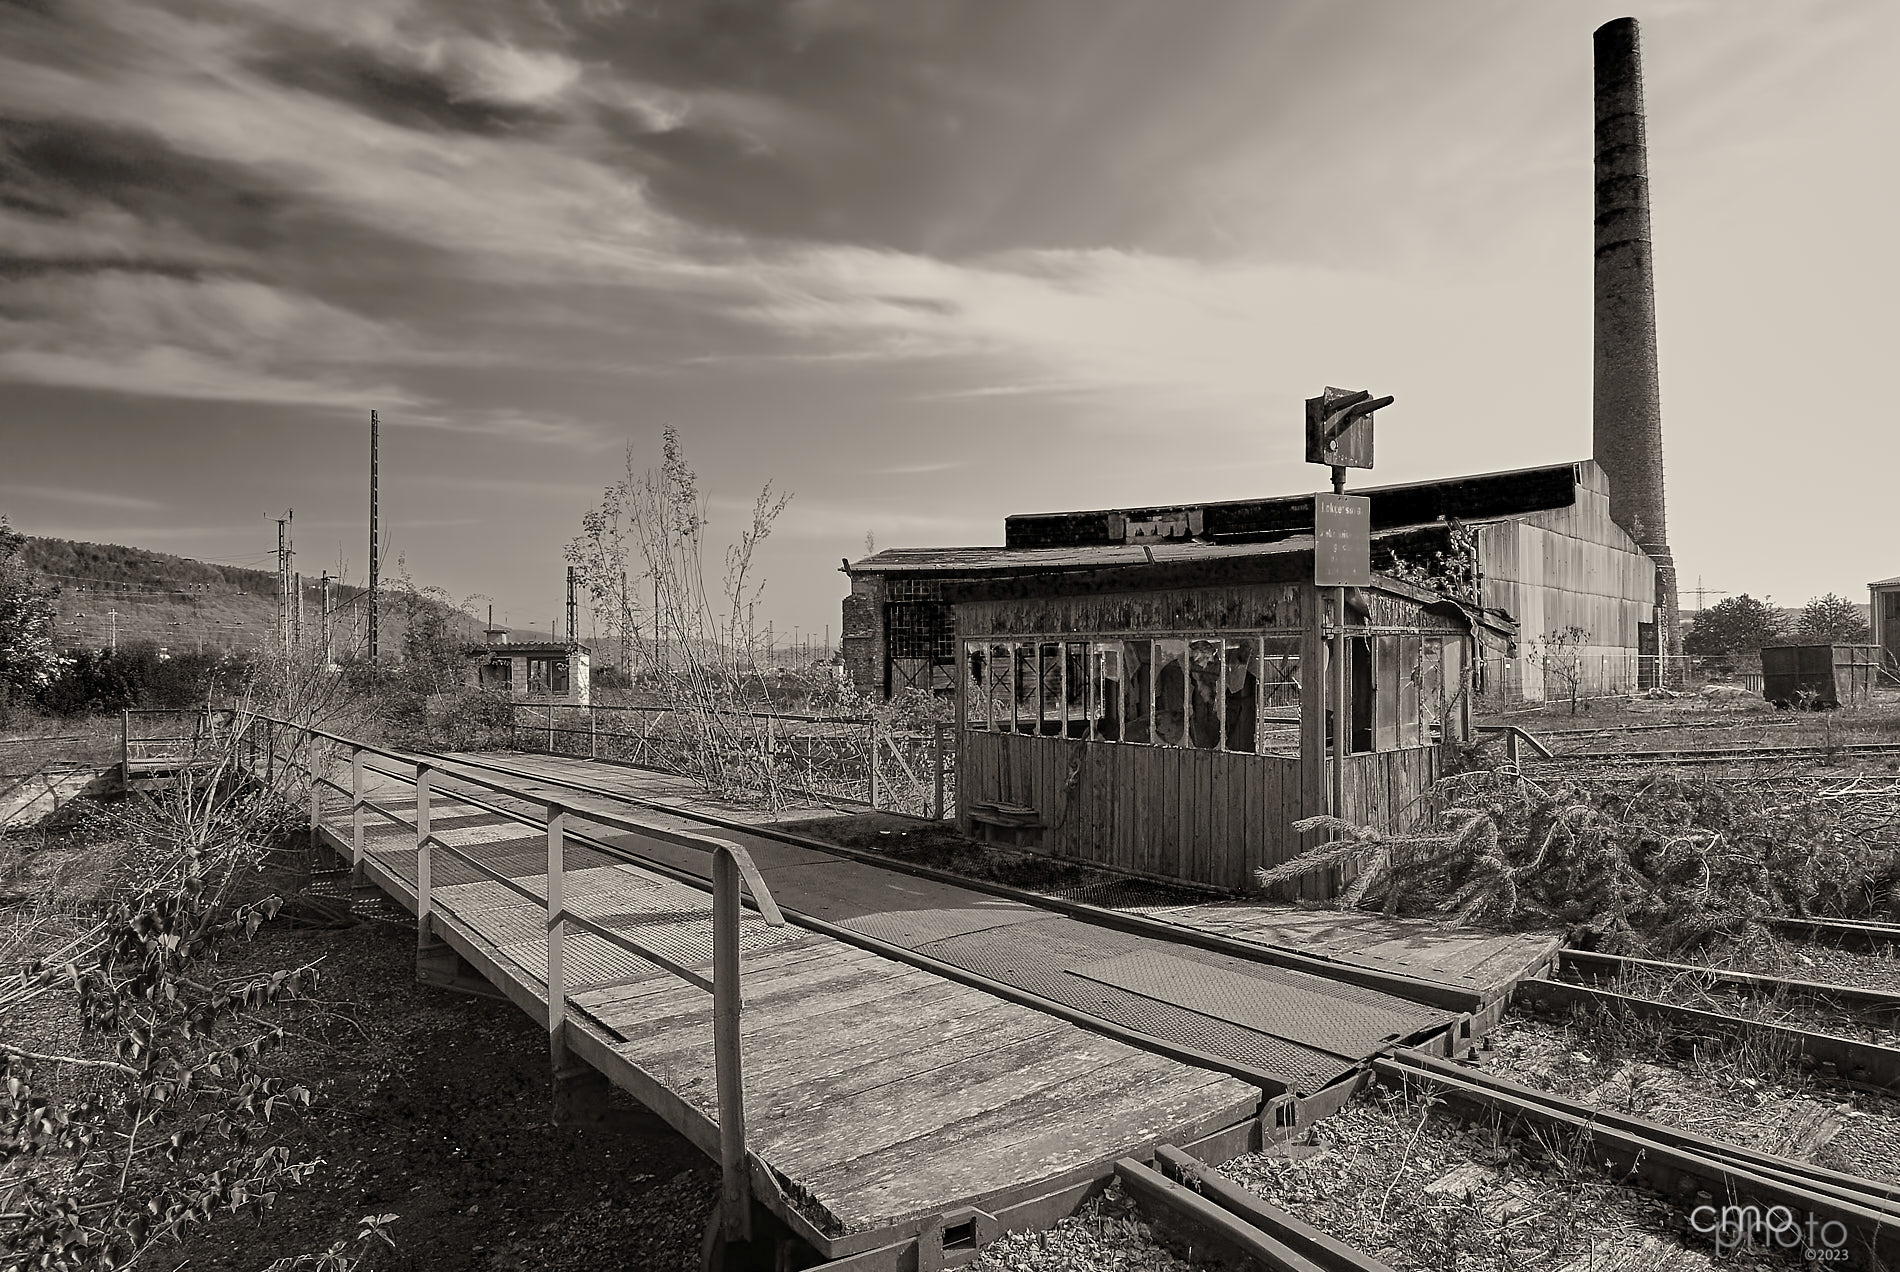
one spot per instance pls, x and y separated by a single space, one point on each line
375 560
572 634
114 616
296 630
325 602
283 581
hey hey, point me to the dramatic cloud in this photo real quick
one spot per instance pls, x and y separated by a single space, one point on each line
980 255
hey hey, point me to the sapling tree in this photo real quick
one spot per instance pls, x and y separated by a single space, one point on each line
1560 656
642 556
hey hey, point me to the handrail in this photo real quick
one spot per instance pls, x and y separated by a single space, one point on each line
1512 735
733 870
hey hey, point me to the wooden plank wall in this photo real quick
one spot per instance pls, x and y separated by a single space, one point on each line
1208 817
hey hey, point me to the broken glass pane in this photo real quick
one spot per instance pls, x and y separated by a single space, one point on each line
1242 682
976 686
1105 701
1137 681
1204 697
1050 696
1170 692
1075 686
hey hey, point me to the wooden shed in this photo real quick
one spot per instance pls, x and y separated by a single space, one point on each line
1819 675
1155 709
1536 543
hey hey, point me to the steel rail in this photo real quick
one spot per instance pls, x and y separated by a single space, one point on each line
1862 999
1656 1156
1414 988
1870 931
1873 1193
1727 755
1179 1206
1321 1248
1272 1083
1851 1057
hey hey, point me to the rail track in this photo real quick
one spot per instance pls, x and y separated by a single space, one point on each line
1695 1170
1729 754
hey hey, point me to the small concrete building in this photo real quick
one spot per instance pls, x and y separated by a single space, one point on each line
1884 613
543 672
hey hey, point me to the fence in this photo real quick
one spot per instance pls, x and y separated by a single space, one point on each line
848 760
314 754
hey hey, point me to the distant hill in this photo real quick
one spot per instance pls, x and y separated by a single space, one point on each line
179 603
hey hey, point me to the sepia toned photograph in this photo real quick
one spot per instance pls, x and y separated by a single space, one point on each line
927 635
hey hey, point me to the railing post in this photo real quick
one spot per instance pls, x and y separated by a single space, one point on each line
424 883
514 741
550 727
557 939
316 804
125 746
593 733
735 1196
1510 746
873 732
356 814
936 746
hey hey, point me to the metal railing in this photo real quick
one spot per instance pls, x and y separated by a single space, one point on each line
732 867
850 760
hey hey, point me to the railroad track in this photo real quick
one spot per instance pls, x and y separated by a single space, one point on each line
1729 754
1875 1004
1672 1162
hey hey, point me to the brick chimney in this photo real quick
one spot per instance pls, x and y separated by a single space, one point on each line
1627 411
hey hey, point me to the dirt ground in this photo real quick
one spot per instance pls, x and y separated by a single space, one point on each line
429 1105
436 1110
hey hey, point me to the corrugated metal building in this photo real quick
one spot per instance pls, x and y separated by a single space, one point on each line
1538 544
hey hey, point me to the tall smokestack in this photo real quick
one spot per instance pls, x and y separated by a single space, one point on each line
1627 413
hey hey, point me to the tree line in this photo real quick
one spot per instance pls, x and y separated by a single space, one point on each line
1743 625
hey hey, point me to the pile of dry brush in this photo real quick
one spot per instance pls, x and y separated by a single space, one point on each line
1663 861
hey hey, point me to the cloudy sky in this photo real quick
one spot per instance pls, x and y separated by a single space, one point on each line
921 263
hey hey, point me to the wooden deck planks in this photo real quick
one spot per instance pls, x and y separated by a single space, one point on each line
1124 1101
856 1062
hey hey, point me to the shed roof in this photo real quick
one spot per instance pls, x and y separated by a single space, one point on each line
1478 497
968 561
1892 582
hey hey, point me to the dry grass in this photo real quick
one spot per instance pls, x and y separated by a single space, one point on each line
1400 1178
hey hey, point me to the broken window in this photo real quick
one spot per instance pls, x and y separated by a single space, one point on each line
1075 686
1242 683
976 686
1204 694
1105 697
1000 701
1049 691
1138 694
1025 695
1411 684
547 677
1170 691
